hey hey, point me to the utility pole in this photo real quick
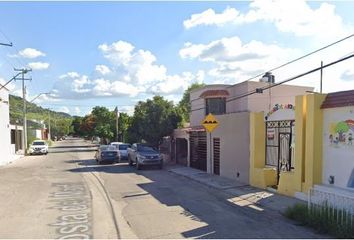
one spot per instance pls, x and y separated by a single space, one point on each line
24 71
117 117
49 134
321 76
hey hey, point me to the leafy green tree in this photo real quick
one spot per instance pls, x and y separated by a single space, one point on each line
153 120
184 105
60 126
123 125
105 123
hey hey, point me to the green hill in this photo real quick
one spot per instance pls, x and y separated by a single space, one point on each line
60 122
34 112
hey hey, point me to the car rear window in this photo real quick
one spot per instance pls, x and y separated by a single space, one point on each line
38 143
123 146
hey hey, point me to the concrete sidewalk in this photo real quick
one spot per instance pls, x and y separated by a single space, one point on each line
240 193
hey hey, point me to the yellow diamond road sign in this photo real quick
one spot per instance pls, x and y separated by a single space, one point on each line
210 122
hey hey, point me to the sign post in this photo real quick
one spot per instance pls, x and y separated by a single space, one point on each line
210 123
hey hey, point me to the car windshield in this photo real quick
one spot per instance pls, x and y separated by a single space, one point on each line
145 148
38 143
123 146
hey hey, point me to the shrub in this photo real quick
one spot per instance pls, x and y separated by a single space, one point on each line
324 219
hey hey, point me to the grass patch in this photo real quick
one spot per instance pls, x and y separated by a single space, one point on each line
326 220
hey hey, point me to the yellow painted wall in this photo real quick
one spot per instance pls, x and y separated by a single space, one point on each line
308 149
259 175
290 182
313 140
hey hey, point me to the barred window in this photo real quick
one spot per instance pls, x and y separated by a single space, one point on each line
215 106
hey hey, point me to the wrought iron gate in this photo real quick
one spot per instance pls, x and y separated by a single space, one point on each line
279 149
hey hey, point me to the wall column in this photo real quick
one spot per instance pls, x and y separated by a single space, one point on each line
314 132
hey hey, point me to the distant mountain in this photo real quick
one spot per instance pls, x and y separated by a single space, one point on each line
34 112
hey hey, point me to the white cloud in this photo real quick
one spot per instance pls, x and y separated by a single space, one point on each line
75 86
209 17
70 74
131 72
136 66
31 53
127 109
235 60
295 17
102 69
64 109
173 84
38 65
77 110
348 75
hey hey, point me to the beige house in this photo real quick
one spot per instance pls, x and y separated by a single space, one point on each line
226 150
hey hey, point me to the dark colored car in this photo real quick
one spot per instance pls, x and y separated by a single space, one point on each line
144 155
106 154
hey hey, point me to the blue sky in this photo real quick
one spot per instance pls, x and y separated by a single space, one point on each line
116 53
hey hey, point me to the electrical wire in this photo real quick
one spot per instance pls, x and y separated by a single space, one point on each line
292 61
293 78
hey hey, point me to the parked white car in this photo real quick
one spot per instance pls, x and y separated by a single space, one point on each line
38 147
122 149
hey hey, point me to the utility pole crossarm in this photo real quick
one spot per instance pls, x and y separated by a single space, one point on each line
6 44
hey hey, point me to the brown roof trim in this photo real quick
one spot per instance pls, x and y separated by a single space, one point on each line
196 129
339 99
214 93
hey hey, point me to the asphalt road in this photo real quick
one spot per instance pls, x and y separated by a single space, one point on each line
65 194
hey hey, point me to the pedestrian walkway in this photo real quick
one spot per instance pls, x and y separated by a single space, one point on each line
240 194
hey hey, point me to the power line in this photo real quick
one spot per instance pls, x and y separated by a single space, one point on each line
258 90
297 59
304 56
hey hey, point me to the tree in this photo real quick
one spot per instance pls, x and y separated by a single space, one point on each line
153 120
104 123
76 126
184 105
60 127
123 125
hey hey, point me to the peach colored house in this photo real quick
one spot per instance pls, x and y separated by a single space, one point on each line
226 150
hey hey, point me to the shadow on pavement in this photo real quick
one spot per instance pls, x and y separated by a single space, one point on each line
223 215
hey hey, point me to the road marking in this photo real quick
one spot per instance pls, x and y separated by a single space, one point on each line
73 200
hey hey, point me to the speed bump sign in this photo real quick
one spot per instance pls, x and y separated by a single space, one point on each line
210 122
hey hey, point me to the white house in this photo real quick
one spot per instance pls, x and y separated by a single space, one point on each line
5 138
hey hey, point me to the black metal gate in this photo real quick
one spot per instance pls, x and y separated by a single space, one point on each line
216 155
279 136
198 150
